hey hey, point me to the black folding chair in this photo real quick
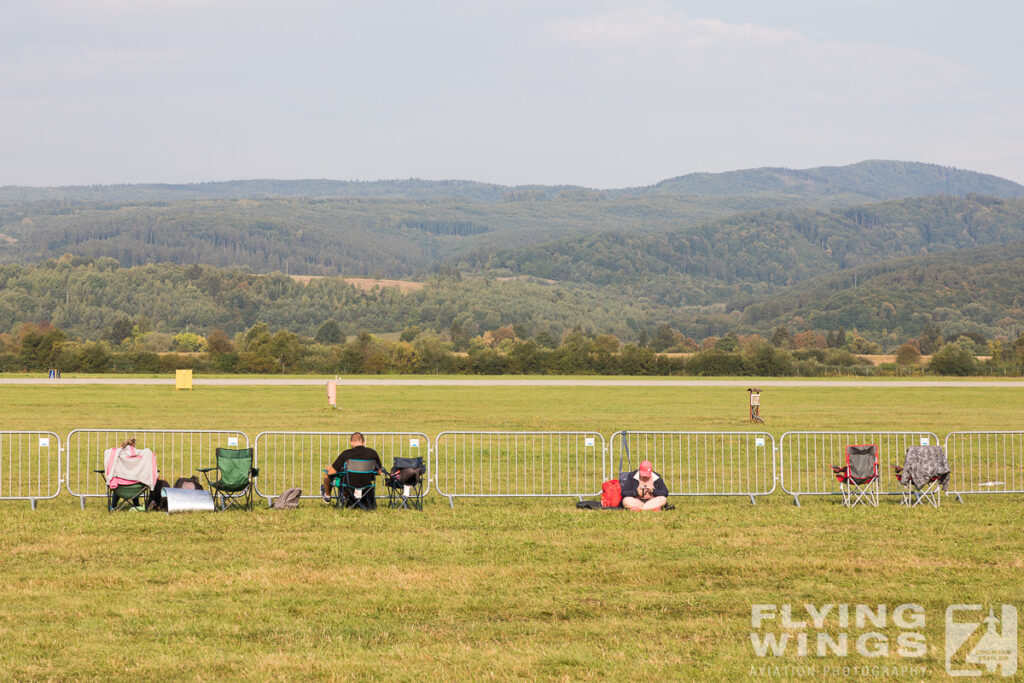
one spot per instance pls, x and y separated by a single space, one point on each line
356 485
405 483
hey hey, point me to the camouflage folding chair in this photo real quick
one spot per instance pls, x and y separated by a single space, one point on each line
923 476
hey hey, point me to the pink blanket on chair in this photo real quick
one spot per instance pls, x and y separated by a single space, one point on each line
128 466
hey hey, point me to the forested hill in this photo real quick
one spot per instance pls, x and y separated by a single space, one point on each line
979 290
865 181
869 179
785 237
389 237
976 291
768 247
412 188
706 255
84 297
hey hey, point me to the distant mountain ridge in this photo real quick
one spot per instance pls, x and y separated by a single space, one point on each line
705 253
874 179
776 247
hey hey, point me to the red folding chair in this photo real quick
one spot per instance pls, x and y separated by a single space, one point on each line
858 478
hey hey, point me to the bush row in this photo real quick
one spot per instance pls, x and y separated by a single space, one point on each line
283 352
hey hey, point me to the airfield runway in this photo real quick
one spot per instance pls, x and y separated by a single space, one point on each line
511 382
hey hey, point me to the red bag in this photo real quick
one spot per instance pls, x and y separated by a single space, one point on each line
611 494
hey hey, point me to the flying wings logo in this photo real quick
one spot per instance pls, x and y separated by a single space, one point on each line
980 640
977 644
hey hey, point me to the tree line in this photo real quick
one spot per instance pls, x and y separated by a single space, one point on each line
971 293
40 346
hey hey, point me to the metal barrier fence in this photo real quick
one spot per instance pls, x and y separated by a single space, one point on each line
518 464
703 463
806 459
985 462
298 459
30 466
179 453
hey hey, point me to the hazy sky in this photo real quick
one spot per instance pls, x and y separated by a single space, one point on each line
603 93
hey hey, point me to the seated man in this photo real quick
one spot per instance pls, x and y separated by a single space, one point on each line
644 489
357 451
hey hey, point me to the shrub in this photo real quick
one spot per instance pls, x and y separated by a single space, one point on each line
768 361
952 359
714 362
908 354
188 341
137 361
94 357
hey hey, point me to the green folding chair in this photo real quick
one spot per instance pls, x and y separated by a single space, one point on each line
122 497
237 475
356 485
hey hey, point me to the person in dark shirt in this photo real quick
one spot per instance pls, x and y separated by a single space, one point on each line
644 489
357 451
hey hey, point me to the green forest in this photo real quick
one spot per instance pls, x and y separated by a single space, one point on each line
891 253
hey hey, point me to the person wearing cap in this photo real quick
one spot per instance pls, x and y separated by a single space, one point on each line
644 489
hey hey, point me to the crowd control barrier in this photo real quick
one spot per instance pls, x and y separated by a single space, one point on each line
806 459
30 466
179 453
34 465
985 462
702 463
298 459
518 464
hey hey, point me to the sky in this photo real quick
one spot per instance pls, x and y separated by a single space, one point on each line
599 93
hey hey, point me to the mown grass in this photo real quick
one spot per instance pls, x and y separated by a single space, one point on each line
489 589
432 409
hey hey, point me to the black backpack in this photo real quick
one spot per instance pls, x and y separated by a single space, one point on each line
188 483
156 500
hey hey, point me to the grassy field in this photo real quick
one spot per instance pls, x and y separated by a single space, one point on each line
489 589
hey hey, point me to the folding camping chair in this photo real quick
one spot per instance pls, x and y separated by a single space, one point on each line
236 480
923 476
123 496
126 474
858 479
355 486
405 483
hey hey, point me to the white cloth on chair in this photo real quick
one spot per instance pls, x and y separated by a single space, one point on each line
128 465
